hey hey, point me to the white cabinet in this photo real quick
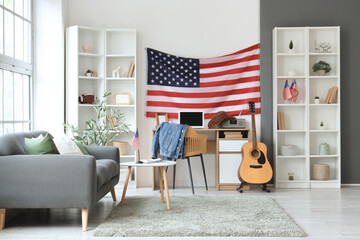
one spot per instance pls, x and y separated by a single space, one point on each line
228 165
303 117
229 157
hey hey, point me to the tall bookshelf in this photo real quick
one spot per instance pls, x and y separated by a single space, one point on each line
109 49
303 117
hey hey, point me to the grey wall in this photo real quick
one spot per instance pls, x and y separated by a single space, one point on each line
299 13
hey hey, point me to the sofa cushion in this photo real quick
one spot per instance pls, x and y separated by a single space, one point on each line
66 146
106 169
14 143
40 145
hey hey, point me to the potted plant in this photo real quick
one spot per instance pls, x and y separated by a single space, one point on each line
316 100
321 68
291 46
322 125
102 130
88 73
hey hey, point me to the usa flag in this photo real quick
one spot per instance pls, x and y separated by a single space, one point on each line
209 85
136 141
286 92
294 91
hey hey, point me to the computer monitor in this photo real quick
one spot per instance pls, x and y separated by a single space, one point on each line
193 119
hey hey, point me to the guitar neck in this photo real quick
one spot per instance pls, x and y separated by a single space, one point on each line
253 127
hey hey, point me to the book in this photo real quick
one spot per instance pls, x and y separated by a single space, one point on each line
281 121
333 95
130 69
151 160
328 96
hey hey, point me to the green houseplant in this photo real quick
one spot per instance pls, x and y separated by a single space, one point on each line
291 46
97 131
321 67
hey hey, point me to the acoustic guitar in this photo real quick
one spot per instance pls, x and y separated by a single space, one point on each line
255 167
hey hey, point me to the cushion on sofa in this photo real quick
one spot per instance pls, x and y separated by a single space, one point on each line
14 143
66 146
81 147
40 145
106 169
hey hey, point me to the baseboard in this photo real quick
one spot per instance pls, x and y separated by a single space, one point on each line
350 185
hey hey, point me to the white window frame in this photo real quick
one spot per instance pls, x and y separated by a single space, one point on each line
14 65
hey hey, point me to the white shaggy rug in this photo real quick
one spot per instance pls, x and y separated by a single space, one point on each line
199 216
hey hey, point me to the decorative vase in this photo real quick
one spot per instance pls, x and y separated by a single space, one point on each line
292 72
320 72
86 48
324 149
316 100
123 147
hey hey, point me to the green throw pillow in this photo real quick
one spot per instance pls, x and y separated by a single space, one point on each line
39 146
82 148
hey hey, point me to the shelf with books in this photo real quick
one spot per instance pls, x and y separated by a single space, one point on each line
314 118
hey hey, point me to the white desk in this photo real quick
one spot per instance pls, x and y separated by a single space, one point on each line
228 156
162 175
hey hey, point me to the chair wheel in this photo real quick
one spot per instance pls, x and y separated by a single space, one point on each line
241 191
267 190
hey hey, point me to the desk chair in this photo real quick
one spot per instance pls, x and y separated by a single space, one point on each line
195 146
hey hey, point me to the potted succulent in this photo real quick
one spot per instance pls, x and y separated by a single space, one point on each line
102 130
316 100
291 46
321 68
88 73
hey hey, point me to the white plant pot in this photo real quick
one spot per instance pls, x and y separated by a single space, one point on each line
321 72
88 74
316 101
290 50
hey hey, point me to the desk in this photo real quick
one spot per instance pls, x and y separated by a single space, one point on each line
228 156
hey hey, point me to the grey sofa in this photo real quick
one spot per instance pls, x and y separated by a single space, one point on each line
54 181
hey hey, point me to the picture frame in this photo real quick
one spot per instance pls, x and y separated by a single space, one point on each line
161 117
121 98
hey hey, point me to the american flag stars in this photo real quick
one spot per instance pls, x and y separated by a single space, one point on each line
169 70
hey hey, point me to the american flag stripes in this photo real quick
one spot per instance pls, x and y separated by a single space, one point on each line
210 85
136 141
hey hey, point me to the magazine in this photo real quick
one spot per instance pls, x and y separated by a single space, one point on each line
151 160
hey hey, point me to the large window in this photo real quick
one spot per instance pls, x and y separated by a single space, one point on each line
15 66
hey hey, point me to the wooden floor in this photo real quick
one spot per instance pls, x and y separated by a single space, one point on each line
322 213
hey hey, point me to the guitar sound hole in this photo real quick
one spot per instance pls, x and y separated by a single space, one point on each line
255 153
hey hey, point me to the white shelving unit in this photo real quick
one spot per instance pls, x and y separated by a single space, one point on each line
109 49
302 118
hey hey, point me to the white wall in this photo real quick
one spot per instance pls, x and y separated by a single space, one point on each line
49 65
189 28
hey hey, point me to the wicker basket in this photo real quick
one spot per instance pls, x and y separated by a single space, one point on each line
123 147
321 171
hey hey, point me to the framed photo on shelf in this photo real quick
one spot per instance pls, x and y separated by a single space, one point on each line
161 117
122 98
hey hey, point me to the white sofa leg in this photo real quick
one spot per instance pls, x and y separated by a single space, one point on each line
84 218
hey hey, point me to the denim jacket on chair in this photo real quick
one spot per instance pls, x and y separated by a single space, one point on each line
170 137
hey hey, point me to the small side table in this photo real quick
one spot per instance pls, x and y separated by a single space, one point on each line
162 175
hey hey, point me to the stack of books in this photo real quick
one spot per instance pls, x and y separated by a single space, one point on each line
130 71
233 135
331 96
